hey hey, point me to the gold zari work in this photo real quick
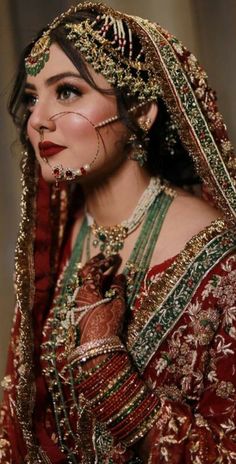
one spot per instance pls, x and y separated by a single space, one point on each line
161 68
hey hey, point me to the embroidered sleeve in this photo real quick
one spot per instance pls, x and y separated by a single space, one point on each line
190 415
201 426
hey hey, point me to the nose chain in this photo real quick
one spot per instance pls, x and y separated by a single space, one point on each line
61 173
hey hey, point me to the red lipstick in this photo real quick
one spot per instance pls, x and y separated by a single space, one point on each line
48 149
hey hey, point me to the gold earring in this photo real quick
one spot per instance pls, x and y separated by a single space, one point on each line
139 152
145 124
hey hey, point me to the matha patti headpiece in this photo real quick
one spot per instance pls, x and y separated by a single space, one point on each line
107 44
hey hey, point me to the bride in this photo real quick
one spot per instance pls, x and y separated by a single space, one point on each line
122 348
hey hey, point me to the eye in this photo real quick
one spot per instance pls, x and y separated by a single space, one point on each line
67 92
29 100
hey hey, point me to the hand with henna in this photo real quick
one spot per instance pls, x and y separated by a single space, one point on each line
106 319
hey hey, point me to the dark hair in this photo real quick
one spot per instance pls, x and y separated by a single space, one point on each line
173 164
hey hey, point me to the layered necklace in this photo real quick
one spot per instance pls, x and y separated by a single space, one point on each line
151 209
110 240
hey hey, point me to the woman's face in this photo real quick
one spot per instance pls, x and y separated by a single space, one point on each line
64 109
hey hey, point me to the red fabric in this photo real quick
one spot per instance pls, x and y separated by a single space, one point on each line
42 282
40 418
193 372
43 285
183 385
12 447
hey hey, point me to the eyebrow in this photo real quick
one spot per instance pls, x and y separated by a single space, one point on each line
54 79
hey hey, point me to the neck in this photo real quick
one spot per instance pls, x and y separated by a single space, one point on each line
115 198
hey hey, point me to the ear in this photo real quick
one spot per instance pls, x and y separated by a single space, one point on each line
146 115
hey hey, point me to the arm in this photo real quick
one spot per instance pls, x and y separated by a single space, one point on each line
212 418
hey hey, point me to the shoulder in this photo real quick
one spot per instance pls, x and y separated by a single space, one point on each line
192 214
187 217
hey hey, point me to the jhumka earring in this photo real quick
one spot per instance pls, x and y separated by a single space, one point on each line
139 153
171 137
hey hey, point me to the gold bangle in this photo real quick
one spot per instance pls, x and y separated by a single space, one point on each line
96 347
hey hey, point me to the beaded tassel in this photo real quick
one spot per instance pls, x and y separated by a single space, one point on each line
119 35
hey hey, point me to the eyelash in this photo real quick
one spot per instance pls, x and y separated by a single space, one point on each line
29 99
62 87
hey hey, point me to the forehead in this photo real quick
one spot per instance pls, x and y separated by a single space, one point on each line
60 63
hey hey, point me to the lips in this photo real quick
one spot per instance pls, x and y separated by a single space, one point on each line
48 149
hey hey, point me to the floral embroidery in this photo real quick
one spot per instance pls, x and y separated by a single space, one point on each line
225 389
196 365
6 383
165 315
4 447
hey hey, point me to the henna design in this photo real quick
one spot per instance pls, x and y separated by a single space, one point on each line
107 319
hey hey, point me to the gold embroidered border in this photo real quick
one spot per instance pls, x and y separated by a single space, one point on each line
160 290
25 294
25 291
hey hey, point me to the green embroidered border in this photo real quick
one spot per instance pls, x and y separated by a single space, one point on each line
170 311
186 99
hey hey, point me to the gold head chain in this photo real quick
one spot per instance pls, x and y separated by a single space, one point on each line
107 44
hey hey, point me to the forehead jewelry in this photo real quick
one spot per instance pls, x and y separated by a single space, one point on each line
107 44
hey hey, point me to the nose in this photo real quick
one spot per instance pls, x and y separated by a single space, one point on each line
40 119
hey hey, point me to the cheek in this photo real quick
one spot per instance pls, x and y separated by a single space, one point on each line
32 134
78 133
75 126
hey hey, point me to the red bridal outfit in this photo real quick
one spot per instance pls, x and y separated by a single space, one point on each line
168 395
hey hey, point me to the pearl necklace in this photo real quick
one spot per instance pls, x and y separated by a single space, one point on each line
111 239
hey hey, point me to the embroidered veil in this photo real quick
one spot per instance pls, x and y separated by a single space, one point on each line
166 70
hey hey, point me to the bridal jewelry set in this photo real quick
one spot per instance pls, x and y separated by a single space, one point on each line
124 67
151 209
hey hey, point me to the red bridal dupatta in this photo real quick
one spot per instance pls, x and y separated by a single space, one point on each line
182 335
